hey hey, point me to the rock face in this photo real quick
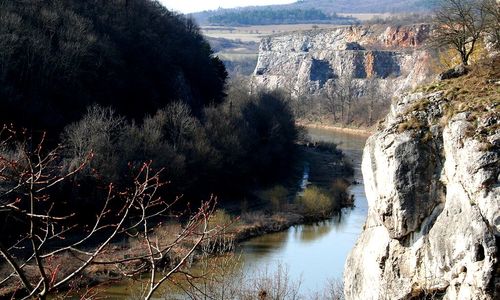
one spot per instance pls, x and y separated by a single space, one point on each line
433 227
305 63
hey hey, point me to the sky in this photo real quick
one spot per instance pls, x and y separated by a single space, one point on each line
189 6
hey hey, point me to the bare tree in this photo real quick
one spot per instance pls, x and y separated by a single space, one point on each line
46 229
341 94
460 24
493 20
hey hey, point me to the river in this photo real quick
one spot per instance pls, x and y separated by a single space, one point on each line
315 254
312 254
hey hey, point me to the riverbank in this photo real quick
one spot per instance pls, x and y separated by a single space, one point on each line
312 254
361 131
320 164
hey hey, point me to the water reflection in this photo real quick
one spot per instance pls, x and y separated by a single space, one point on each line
316 252
264 245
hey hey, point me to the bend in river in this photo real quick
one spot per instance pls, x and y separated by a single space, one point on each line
316 253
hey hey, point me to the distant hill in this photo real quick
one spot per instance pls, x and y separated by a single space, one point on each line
368 6
263 16
327 7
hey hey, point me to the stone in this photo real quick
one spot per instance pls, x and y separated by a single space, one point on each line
433 226
455 72
307 63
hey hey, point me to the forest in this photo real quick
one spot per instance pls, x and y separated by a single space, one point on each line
129 82
120 136
107 107
59 57
263 16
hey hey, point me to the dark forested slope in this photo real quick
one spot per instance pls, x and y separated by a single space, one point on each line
58 57
129 82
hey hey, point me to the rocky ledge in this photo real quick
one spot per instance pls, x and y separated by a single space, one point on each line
432 181
309 62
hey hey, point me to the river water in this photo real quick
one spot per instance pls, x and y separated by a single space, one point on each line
312 254
315 254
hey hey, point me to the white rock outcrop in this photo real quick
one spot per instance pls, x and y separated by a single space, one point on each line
306 62
433 227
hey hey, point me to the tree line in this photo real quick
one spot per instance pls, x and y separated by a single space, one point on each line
276 16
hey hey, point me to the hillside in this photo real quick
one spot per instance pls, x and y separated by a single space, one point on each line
263 16
367 6
57 58
129 82
328 7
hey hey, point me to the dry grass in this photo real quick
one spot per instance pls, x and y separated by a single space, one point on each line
369 16
412 123
477 93
256 33
256 217
237 56
221 221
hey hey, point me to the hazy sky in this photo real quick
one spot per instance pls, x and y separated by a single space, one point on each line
187 6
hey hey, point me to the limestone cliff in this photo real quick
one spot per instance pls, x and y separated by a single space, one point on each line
432 180
306 62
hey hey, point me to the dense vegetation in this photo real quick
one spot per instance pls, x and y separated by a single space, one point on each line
131 82
246 140
58 57
275 16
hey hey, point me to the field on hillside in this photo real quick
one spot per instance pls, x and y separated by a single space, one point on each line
256 33
238 47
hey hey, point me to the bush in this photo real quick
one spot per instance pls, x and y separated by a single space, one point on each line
253 137
221 220
276 196
339 191
99 132
316 202
324 146
228 150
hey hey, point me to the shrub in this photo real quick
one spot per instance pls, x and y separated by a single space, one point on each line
339 191
229 149
316 202
276 196
98 132
221 220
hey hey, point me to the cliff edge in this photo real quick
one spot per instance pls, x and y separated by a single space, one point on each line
432 181
307 62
